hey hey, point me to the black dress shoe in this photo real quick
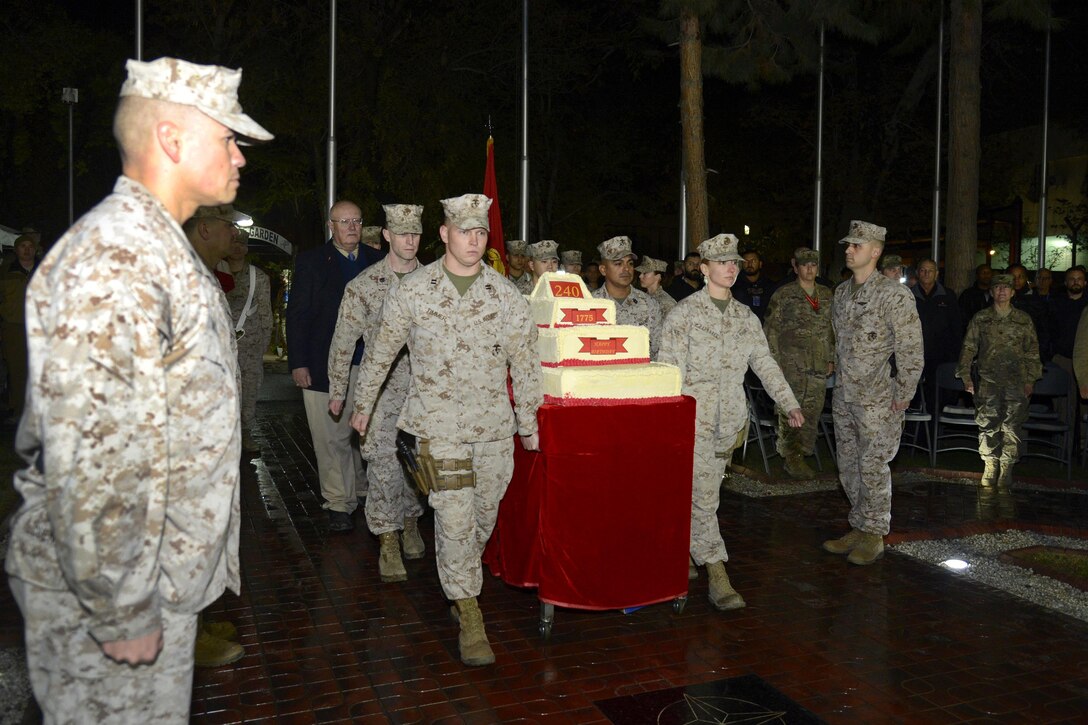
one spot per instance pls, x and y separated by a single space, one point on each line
340 522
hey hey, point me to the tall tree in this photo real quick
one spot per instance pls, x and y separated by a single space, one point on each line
691 118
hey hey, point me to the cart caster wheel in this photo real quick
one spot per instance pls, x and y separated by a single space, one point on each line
547 617
678 605
545 630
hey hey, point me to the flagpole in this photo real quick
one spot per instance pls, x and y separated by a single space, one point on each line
937 152
1046 129
139 30
524 211
330 182
818 197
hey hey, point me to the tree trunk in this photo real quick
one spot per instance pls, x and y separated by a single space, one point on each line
961 222
691 123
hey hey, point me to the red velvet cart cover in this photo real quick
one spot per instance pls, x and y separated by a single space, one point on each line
600 518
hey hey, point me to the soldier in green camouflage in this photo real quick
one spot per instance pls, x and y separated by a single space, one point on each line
466 327
391 504
714 339
799 335
878 361
130 517
1003 340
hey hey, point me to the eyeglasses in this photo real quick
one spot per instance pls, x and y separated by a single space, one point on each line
356 222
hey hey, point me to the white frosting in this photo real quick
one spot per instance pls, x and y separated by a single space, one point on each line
561 299
593 345
611 382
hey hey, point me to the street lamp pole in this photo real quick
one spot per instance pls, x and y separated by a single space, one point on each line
71 97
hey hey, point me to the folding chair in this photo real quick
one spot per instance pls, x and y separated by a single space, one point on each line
1046 434
920 419
762 424
954 427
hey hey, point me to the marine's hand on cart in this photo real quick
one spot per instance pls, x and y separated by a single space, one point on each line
359 422
797 419
531 442
336 407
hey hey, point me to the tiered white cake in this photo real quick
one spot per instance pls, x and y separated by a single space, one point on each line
587 359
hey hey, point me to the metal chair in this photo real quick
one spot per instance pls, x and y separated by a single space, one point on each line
954 424
827 419
1046 434
921 419
762 424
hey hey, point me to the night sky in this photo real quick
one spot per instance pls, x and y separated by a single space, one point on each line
418 82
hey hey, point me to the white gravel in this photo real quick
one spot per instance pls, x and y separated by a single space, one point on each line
981 552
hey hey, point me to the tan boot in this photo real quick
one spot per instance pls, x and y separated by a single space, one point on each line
214 652
722 594
220 630
990 475
1004 477
390 566
844 544
796 467
475 649
693 573
411 540
868 550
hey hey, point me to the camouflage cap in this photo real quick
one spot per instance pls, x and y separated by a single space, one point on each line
212 89
571 256
890 261
468 211
518 246
804 255
371 236
722 248
615 249
864 233
403 218
1002 280
544 249
649 264
225 212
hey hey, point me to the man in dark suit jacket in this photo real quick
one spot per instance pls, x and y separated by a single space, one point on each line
316 289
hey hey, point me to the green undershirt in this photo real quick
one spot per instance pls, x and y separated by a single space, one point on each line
722 305
461 283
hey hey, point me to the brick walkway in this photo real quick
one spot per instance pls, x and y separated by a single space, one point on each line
898 641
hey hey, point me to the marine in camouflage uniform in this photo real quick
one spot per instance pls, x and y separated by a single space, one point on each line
799 334
713 341
466 326
633 306
517 253
391 503
651 273
878 360
253 332
129 522
1004 341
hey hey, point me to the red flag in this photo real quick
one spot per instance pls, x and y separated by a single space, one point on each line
496 247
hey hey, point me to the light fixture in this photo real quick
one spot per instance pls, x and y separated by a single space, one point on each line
746 230
955 564
993 252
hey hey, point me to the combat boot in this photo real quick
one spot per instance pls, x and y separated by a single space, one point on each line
796 467
869 549
693 573
220 630
411 540
1004 478
472 641
211 651
844 544
990 475
390 566
722 594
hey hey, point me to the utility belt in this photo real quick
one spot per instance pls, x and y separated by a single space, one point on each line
431 474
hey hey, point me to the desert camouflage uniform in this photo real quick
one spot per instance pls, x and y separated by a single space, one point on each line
130 515
803 344
713 350
1008 359
637 308
460 349
391 496
252 344
524 283
665 302
877 321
